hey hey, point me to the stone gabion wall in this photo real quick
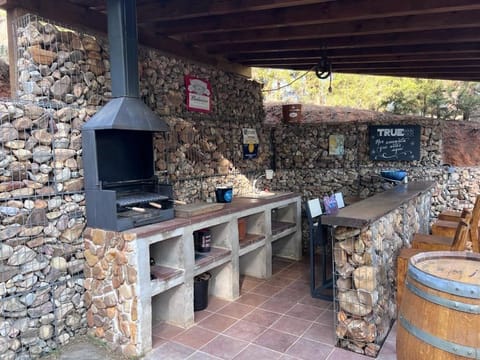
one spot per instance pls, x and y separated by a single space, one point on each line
42 219
304 148
365 275
62 67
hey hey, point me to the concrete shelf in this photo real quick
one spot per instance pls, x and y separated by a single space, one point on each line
250 243
207 261
269 227
279 228
165 278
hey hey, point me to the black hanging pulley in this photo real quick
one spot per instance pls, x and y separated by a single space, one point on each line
323 69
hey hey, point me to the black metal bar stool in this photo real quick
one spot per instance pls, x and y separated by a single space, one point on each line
320 282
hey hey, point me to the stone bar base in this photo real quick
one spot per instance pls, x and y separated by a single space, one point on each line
365 261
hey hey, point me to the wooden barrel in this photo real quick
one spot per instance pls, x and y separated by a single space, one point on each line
439 316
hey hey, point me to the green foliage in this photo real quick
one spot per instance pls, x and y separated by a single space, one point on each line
467 99
425 97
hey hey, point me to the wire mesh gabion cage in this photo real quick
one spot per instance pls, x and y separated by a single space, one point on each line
364 289
58 64
42 202
42 219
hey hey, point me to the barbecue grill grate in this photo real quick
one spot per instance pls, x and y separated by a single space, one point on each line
139 198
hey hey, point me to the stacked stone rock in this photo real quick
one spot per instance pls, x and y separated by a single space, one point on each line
42 219
365 269
110 283
58 64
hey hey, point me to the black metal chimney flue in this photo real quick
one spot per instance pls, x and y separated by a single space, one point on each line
122 36
125 111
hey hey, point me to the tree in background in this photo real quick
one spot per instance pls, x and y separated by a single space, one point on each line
441 99
466 97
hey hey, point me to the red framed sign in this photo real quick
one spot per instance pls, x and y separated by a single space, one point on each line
199 94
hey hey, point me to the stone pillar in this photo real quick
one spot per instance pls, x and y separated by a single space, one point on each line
110 284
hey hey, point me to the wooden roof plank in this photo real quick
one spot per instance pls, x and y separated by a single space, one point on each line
329 12
441 58
398 24
359 64
168 10
405 50
410 38
440 37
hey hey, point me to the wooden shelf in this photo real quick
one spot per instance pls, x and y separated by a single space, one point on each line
250 239
209 260
250 243
165 278
279 226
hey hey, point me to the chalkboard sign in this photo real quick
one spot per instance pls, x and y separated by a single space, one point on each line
394 142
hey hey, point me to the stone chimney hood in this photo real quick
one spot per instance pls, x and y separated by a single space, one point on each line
126 111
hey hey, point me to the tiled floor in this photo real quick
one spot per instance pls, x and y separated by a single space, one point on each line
273 319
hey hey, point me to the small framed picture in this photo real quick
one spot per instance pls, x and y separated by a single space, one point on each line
199 94
336 145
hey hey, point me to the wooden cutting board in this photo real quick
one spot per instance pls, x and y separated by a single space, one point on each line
186 211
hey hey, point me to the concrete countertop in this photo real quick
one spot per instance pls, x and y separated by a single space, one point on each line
366 211
238 204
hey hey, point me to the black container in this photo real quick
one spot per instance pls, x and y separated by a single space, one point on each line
200 291
203 240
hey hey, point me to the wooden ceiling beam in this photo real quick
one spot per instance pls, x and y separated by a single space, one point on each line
377 67
412 50
329 12
452 75
475 72
468 75
410 38
440 58
424 75
437 37
399 24
186 9
407 66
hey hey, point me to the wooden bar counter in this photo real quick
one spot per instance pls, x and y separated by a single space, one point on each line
367 237
373 208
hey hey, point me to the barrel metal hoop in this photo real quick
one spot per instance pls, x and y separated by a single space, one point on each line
448 346
449 286
450 304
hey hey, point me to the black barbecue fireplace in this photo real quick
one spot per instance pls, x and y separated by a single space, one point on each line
121 188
